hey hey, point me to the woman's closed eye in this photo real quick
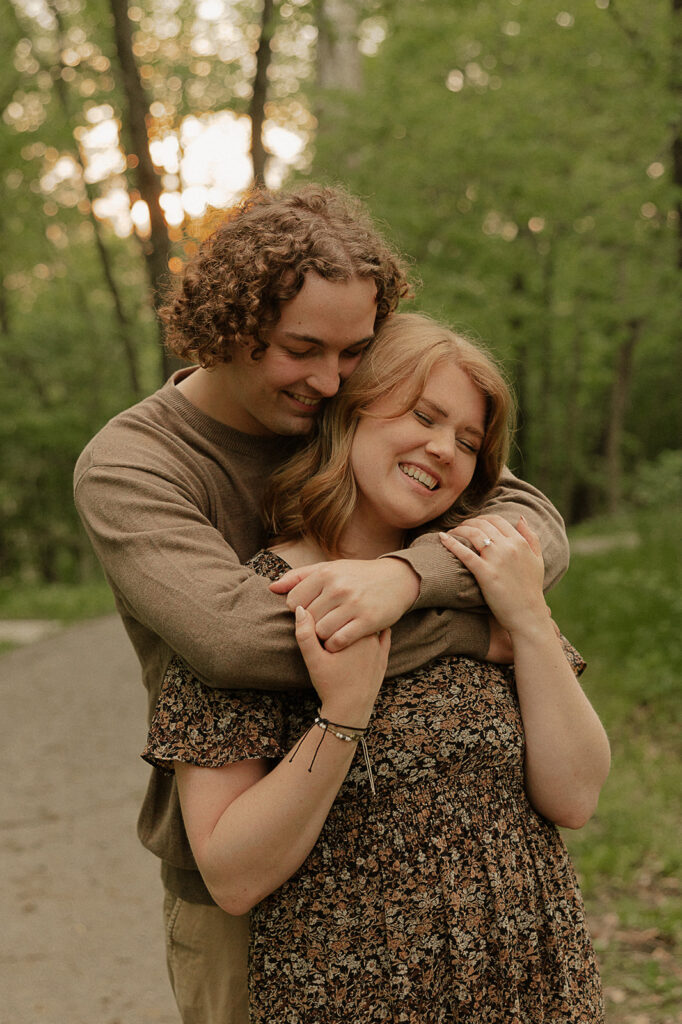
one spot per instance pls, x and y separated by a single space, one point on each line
423 417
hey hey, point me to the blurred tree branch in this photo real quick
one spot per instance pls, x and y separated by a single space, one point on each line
259 154
157 249
124 330
637 42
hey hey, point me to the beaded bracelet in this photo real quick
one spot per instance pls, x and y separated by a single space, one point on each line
342 732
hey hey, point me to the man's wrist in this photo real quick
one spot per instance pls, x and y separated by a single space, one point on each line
406 578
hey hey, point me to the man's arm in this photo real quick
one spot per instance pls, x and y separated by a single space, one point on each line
350 599
174 573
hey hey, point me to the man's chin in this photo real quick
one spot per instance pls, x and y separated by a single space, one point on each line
291 426
300 427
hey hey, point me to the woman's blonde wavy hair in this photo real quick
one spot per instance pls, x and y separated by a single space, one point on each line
314 493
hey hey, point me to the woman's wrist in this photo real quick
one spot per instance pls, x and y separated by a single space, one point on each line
535 629
347 714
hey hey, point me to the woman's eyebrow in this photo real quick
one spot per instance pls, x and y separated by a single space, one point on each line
435 408
445 415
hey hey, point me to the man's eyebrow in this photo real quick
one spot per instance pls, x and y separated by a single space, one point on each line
441 412
309 340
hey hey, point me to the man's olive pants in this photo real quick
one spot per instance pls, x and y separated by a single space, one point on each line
207 955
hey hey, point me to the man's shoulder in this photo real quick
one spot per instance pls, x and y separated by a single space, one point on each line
135 435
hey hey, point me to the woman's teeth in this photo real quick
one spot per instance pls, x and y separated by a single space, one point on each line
419 474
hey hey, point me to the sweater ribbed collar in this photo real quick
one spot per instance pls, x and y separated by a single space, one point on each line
218 433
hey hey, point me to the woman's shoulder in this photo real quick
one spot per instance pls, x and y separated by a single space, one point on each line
267 563
202 725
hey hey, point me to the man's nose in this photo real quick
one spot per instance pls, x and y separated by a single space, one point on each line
326 378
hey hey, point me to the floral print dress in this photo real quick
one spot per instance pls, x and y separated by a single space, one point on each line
443 898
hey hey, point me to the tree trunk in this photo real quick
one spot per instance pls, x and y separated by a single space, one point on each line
338 58
546 397
259 154
123 324
520 363
572 429
676 88
157 248
4 311
616 423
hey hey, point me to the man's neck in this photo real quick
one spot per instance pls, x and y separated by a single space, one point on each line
203 390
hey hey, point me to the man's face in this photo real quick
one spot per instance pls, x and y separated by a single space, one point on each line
317 343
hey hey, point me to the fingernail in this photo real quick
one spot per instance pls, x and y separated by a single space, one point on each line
299 613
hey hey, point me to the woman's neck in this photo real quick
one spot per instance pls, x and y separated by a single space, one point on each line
299 552
306 551
367 536
355 542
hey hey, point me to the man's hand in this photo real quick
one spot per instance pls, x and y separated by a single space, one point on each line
351 598
500 649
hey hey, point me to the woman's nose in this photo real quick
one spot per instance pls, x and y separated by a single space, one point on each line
442 445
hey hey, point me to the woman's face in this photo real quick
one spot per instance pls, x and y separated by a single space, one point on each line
410 469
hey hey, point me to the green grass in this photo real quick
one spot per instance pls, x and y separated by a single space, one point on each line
65 602
622 607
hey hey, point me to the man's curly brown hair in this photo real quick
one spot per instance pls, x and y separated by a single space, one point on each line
231 292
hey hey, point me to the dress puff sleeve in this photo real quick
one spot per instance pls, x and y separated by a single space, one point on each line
196 724
574 658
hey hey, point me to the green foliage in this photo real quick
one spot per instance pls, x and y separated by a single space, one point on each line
70 288
620 603
63 377
624 604
521 155
659 482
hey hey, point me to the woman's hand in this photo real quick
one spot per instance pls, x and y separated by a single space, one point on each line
347 682
567 752
507 563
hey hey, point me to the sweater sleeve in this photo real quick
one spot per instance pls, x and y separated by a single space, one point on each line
445 583
174 573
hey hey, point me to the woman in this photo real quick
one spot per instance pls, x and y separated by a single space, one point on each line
424 881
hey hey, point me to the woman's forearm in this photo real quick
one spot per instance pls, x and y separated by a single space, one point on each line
249 845
567 751
250 830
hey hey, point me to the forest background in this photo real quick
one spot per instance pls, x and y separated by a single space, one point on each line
527 157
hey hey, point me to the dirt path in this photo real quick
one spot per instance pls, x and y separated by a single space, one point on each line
82 941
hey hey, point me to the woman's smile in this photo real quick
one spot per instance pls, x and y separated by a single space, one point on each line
419 475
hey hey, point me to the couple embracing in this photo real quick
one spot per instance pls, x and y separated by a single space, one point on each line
359 800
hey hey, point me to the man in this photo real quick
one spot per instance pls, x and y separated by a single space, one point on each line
276 309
